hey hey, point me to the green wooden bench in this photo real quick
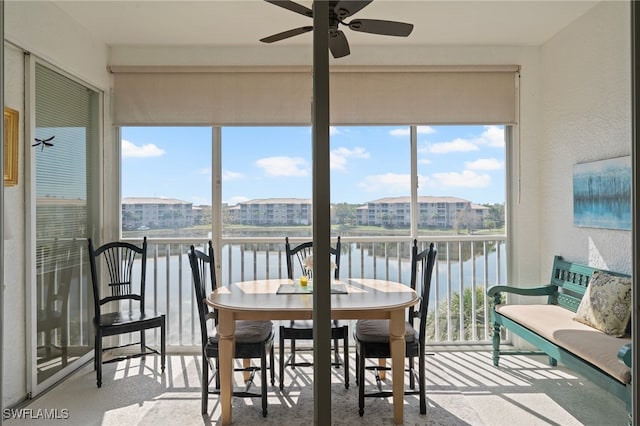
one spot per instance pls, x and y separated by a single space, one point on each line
603 359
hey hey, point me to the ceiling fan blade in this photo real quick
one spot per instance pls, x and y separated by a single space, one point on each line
378 26
346 8
338 44
286 34
292 6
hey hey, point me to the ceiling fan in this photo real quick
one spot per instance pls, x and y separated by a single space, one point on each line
338 12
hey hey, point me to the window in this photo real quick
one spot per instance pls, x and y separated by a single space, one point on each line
461 179
266 181
166 181
370 180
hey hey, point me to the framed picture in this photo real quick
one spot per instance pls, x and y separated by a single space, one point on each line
602 194
10 147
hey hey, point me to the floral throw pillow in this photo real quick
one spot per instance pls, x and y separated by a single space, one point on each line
606 305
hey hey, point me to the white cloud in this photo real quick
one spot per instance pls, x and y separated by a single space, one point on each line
333 130
390 183
283 166
493 136
456 145
466 179
196 199
424 161
405 131
338 157
130 150
236 199
228 175
484 164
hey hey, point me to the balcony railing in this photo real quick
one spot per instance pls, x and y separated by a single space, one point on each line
459 312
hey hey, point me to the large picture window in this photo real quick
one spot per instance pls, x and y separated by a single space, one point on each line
266 181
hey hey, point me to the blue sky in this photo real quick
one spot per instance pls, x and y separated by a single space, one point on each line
367 162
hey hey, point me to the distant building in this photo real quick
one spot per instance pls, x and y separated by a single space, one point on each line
149 213
433 212
272 211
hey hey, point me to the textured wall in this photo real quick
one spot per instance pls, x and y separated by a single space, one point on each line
586 116
14 366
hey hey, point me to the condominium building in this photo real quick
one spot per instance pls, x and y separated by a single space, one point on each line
149 213
272 211
433 212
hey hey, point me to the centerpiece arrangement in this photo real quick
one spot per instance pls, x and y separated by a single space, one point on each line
307 264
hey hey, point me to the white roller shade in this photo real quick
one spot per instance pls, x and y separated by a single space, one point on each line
266 96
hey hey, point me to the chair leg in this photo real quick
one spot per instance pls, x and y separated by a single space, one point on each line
357 368
422 384
98 358
293 354
346 356
360 383
271 367
263 379
205 384
281 360
217 373
163 345
143 343
412 377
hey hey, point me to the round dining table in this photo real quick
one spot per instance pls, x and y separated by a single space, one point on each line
284 299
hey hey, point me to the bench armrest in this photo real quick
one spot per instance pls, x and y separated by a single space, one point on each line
496 290
624 355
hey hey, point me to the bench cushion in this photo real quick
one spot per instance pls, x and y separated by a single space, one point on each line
556 324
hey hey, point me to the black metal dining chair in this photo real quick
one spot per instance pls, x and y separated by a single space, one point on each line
253 339
303 330
121 263
373 336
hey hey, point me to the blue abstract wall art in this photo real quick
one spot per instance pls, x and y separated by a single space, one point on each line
602 194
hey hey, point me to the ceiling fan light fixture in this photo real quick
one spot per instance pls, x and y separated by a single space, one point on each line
339 10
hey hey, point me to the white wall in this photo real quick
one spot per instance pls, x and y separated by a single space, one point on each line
14 352
586 116
43 30
525 200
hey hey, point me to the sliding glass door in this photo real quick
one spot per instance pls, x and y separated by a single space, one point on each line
63 158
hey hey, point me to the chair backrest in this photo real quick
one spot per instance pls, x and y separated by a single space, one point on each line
202 270
426 259
118 259
302 251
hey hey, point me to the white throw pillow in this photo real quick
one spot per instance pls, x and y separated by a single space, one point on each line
606 305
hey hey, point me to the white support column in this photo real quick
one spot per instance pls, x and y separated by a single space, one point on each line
321 217
216 198
414 182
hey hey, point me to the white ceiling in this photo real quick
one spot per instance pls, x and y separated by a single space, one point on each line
244 22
